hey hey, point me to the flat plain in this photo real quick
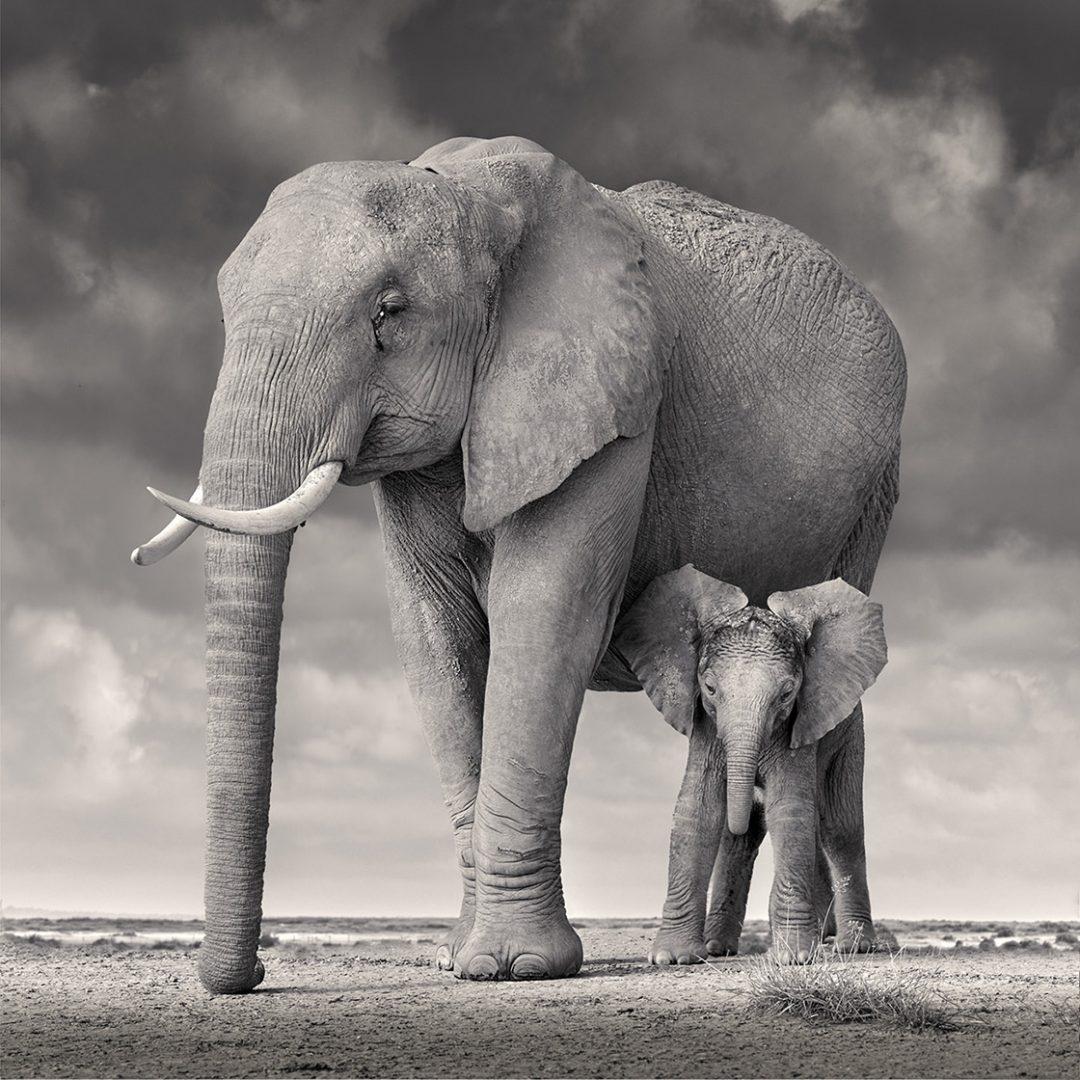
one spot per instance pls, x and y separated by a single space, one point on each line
361 998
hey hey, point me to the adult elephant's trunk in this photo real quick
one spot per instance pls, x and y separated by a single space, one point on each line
248 461
742 739
245 586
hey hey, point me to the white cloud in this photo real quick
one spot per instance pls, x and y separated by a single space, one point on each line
79 673
350 717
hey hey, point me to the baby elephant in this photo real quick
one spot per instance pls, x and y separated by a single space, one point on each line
755 689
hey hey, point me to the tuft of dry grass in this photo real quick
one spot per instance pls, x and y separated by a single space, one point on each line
839 988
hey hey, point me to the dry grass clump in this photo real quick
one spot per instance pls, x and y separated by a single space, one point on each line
838 988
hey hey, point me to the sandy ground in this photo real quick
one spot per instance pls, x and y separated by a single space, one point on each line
380 1009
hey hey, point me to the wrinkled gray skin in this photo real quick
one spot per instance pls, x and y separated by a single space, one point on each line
559 392
758 691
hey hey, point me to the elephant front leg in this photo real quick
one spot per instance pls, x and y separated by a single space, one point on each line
695 831
791 815
535 688
731 885
442 638
842 838
557 575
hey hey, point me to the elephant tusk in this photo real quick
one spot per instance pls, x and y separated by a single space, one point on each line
169 539
281 517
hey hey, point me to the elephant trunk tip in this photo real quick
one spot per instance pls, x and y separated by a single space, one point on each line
227 979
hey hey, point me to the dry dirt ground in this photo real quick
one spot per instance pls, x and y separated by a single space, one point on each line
380 1009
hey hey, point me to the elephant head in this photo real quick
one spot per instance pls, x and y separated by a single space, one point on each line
378 316
691 639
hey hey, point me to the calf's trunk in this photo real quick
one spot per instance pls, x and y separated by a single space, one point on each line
742 746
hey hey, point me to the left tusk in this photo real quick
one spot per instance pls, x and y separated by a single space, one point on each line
169 539
281 517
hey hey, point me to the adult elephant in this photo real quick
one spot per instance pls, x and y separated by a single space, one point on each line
559 392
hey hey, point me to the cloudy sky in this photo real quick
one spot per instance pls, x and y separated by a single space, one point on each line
934 147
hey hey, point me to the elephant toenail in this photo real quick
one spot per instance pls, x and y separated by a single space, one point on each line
663 957
529 966
483 967
444 960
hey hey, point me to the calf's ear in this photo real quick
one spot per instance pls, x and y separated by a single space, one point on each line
844 635
659 637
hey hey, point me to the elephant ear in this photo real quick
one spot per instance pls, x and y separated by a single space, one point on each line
844 634
579 350
660 634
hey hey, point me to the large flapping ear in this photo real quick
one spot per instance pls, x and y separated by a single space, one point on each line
845 652
660 634
580 347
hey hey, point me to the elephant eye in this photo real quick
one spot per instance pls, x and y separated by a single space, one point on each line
709 684
787 690
392 303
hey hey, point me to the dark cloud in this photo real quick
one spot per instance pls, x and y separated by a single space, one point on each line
1026 56
934 147
112 42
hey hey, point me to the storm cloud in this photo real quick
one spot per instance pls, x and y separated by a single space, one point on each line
935 148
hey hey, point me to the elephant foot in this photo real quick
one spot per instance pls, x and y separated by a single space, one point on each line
721 940
520 949
673 945
794 946
222 978
450 946
856 936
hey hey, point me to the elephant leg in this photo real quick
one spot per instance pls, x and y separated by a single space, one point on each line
442 637
842 836
823 895
699 817
791 815
731 884
558 570
841 752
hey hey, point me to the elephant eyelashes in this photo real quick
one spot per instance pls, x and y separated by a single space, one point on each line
392 304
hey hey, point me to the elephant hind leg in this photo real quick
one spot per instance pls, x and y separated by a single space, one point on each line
842 838
823 895
842 750
857 560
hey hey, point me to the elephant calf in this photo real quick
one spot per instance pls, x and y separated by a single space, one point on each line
758 690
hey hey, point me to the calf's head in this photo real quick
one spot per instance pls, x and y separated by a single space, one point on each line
699 649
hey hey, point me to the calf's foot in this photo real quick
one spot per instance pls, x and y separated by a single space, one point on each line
721 938
519 948
675 945
855 936
794 945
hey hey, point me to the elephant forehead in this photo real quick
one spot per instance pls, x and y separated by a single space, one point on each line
381 198
340 227
752 633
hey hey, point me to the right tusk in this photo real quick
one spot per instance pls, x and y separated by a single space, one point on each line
169 539
288 514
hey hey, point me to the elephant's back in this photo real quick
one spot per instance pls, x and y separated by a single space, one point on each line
717 236
782 406
771 289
